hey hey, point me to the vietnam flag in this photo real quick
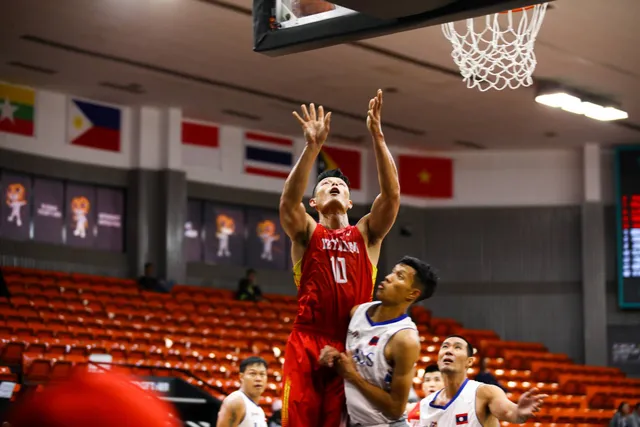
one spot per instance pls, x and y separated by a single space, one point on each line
348 161
426 176
17 106
93 125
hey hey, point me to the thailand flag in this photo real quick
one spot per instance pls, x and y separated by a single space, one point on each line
93 125
462 419
267 155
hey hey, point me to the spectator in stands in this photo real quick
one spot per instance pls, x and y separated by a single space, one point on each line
4 289
622 417
431 382
635 416
275 420
149 282
484 376
248 289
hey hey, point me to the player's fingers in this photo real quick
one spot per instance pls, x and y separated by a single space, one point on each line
305 113
327 120
321 113
372 102
312 107
297 116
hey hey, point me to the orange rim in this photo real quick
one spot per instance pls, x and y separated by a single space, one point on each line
520 9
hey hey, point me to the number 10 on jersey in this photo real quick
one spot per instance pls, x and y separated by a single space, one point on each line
339 267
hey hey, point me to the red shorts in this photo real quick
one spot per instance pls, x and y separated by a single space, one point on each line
313 396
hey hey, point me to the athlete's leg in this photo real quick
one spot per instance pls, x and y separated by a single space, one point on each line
334 410
301 400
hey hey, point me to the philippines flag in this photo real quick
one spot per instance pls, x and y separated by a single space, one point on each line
267 155
93 125
462 419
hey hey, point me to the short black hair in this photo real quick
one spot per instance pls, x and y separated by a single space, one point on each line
425 278
253 360
469 346
331 173
431 368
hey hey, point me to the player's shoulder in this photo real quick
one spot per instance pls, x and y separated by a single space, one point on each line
235 398
486 391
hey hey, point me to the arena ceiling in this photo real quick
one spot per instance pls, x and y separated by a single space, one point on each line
197 54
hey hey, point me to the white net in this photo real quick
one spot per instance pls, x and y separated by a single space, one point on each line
498 54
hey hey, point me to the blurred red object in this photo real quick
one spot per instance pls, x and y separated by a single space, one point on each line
93 399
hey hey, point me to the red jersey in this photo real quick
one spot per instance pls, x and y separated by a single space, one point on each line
334 275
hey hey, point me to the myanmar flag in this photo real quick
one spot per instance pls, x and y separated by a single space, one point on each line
17 105
348 161
426 176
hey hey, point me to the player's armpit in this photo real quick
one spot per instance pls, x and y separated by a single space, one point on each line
231 412
295 221
379 221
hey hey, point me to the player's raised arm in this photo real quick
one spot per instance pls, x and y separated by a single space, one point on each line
231 413
385 207
405 350
505 410
293 216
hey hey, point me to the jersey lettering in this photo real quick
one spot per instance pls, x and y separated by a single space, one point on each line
363 359
339 267
340 245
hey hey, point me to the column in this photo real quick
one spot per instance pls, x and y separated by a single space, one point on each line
157 196
593 260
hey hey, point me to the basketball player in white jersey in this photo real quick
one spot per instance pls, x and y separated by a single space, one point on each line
468 403
382 348
240 408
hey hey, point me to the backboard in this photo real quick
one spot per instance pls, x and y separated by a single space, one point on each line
288 26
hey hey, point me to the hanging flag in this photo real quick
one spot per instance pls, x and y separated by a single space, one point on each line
267 155
17 108
93 125
348 161
201 144
426 176
200 134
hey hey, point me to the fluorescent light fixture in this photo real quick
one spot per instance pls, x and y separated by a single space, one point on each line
573 104
604 114
557 99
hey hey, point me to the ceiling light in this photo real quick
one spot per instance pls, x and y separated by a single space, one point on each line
574 104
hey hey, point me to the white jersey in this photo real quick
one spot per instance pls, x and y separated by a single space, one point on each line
460 411
253 414
367 340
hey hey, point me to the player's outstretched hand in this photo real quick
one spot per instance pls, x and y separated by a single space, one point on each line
315 126
328 356
529 403
374 115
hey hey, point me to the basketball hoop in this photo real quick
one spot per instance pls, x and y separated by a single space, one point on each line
493 57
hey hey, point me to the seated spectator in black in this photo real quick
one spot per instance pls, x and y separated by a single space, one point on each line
4 289
248 289
149 282
486 377
275 420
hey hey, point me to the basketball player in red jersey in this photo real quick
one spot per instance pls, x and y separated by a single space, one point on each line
334 267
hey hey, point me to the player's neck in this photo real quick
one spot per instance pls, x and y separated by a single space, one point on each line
452 384
334 221
254 399
384 313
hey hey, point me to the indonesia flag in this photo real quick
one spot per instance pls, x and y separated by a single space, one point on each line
201 144
267 155
93 125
